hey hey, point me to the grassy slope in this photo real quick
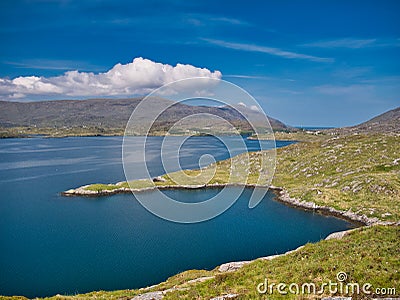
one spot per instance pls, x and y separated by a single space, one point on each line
232 171
367 255
360 173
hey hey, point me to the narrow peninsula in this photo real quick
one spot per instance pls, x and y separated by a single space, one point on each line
355 177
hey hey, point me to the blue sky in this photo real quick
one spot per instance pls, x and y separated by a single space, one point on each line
328 63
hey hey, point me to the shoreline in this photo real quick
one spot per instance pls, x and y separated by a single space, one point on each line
82 192
120 133
281 195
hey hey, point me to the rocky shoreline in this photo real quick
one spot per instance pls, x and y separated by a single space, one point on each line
82 191
362 220
281 195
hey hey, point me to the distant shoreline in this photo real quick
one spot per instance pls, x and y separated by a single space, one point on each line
120 134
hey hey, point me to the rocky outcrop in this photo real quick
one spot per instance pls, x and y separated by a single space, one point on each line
83 191
235 265
232 266
283 196
157 295
227 296
200 279
150 296
339 235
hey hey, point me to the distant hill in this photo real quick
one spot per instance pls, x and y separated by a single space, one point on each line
388 122
108 114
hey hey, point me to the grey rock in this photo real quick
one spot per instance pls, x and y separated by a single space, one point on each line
338 235
227 296
157 295
200 279
232 266
149 296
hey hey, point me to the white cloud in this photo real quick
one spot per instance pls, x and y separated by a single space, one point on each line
140 76
354 43
202 20
252 107
268 50
246 76
230 21
343 43
53 64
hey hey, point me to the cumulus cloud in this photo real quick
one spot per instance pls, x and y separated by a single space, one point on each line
254 107
140 76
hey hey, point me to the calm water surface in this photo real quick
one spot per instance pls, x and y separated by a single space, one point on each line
52 244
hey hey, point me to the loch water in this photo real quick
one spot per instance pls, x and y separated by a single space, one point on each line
52 244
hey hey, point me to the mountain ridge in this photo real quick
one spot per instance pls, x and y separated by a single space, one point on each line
111 115
386 122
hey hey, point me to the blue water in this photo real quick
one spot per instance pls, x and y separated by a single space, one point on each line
52 244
